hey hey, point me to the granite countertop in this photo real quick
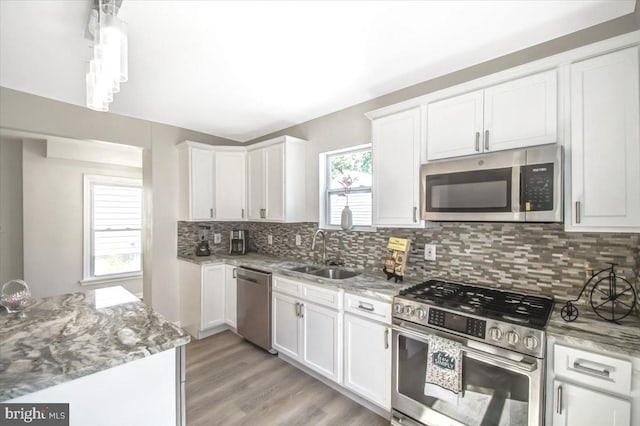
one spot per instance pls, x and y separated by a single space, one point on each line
61 338
374 285
589 331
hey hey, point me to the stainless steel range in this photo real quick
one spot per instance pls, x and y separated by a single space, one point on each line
502 341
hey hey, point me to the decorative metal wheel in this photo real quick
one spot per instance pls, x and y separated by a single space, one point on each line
569 312
612 298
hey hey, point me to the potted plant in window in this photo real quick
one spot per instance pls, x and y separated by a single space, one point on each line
346 181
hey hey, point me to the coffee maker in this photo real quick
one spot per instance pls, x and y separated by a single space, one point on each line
238 241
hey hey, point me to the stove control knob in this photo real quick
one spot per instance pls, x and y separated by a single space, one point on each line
512 338
398 308
495 333
421 313
530 342
408 310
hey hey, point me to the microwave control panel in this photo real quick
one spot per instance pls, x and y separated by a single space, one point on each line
537 188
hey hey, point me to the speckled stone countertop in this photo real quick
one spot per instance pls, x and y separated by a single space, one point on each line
61 338
589 331
371 285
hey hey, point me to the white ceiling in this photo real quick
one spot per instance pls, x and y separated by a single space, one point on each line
243 69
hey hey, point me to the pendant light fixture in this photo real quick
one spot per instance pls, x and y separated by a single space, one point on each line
109 66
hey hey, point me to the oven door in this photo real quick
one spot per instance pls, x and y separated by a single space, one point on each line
497 390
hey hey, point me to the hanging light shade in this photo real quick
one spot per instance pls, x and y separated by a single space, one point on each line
109 66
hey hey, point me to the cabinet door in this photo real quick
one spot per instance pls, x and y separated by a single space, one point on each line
521 112
230 185
274 182
201 184
255 183
605 153
213 283
322 340
396 168
367 359
231 296
286 328
576 406
454 126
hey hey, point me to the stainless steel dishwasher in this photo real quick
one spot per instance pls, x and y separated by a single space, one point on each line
254 306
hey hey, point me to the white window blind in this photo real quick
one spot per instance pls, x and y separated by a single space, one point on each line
115 227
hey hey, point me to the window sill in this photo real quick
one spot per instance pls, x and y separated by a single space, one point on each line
355 228
109 280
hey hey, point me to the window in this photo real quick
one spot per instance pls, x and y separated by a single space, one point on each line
353 165
113 227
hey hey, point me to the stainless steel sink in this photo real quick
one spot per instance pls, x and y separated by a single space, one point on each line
305 269
334 273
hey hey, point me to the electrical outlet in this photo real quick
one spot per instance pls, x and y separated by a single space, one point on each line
217 238
298 240
270 239
429 252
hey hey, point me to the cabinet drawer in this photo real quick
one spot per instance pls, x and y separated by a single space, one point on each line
286 286
331 298
368 308
592 369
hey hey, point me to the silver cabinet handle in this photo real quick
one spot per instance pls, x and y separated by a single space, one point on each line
211 212
297 309
235 275
242 214
602 373
365 306
386 338
301 311
477 141
559 400
486 140
577 211
415 214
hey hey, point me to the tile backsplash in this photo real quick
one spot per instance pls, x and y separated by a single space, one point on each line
535 258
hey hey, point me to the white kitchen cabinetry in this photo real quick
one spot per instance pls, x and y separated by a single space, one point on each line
212 182
396 168
307 325
591 388
514 114
202 297
367 349
276 180
231 296
604 152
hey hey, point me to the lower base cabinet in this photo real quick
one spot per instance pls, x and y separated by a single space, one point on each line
578 406
321 340
286 327
367 359
231 297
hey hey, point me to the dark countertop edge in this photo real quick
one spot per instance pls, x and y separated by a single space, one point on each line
15 392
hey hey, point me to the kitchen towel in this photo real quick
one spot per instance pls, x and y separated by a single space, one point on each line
444 369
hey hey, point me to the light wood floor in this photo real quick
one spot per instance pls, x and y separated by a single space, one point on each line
231 382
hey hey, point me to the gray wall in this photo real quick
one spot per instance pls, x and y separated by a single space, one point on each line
349 127
11 266
24 112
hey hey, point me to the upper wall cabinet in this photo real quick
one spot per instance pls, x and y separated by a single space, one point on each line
605 144
396 168
212 182
276 180
514 114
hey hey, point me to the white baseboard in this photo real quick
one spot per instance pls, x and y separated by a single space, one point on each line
336 386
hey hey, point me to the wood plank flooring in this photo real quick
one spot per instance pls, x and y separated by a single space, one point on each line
232 382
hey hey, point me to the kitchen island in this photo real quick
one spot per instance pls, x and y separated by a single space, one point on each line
111 357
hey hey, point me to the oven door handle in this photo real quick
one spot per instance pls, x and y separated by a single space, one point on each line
521 366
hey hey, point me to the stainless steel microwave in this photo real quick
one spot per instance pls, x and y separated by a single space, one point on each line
509 186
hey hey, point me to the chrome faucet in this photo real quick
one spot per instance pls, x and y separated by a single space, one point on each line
324 244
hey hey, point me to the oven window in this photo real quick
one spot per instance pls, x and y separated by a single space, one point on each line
491 395
477 191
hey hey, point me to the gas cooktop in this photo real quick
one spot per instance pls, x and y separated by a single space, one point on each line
500 305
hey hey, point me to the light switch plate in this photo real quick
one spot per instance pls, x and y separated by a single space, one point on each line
429 252
298 239
270 239
217 238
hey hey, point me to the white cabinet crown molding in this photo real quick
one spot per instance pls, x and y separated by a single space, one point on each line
273 141
192 144
544 64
